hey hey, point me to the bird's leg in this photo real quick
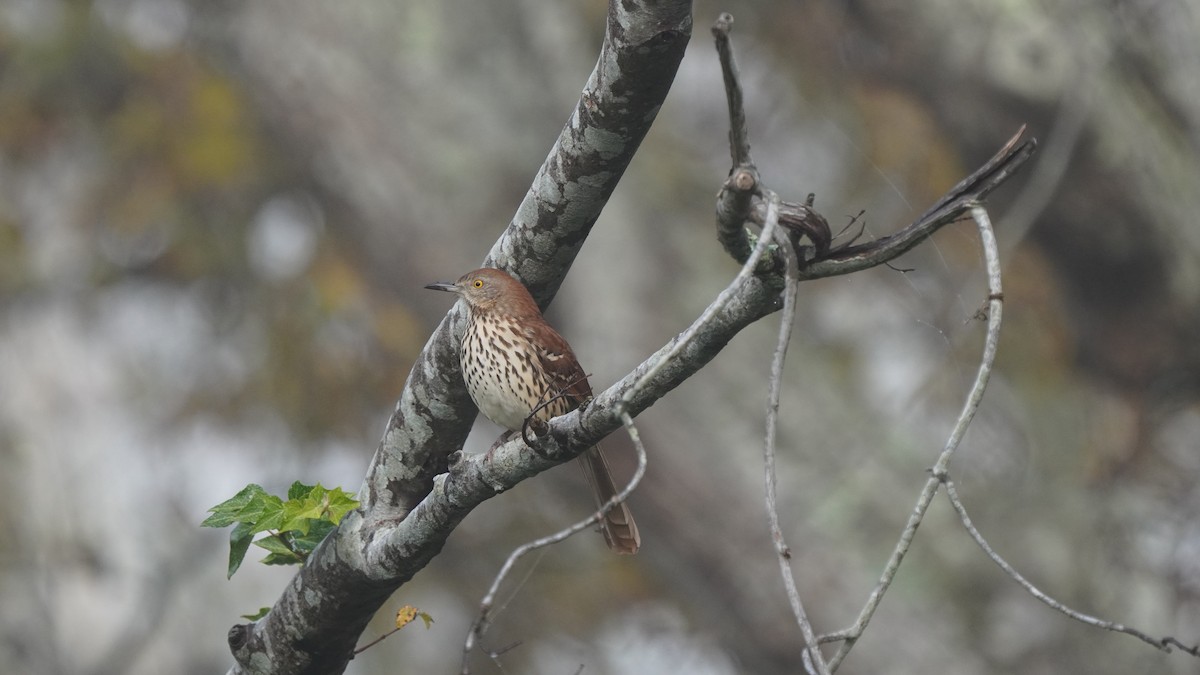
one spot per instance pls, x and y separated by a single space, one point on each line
487 456
539 427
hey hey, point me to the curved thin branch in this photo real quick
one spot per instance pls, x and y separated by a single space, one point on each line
782 551
961 198
482 621
991 251
1164 643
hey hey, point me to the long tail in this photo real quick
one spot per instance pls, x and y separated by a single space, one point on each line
620 532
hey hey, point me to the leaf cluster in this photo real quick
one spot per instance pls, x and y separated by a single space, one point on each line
292 528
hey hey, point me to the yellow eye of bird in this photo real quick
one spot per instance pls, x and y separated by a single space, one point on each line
478 283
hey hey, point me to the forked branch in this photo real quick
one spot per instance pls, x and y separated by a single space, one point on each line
745 198
850 636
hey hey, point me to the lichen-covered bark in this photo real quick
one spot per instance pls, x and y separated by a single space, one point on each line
419 487
637 63
315 624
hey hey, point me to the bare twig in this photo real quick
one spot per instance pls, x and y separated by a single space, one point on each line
968 192
372 643
987 237
1194 650
739 135
482 621
862 227
734 201
781 548
1161 643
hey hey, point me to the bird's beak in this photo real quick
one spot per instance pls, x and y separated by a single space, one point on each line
443 286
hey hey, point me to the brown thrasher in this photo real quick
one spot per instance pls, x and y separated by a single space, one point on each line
513 363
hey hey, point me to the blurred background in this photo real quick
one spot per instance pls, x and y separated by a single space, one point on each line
216 219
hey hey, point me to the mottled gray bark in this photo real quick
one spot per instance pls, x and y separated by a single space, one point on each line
419 486
315 624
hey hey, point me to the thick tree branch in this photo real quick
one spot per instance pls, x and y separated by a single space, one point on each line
313 626
419 486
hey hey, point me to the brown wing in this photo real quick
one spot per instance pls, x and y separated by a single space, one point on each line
567 376
563 372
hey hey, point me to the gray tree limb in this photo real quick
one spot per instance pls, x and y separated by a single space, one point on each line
419 486
313 626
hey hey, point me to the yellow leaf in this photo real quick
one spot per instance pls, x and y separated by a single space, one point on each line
405 615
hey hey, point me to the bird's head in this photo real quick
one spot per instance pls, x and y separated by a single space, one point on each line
490 289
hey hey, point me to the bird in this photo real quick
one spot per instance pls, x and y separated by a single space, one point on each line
513 363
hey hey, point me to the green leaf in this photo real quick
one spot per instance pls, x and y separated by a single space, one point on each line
268 516
316 532
275 544
339 504
298 514
319 504
288 558
282 550
262 611
259 503
298 524
299 490
239 543
225 513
